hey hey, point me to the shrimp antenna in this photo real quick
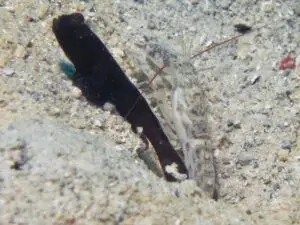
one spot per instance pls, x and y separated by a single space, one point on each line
196 55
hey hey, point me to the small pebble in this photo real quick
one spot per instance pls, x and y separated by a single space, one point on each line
237 124
108 107
280 169
151 25
53 111
286 124
276 187
267 6
229 123
282 155
245 158
139 130
81 6
255 79
255 165
242 28
118 148
117 52
8 71
233 124
286 145
285 73
43 10
20 51
76 92
3 103
98 123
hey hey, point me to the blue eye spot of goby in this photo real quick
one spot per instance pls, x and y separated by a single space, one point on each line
68 69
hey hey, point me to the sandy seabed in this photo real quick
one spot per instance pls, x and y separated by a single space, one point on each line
63 161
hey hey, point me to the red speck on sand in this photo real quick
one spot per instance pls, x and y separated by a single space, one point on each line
287 63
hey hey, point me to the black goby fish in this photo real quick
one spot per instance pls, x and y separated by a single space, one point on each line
102 80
